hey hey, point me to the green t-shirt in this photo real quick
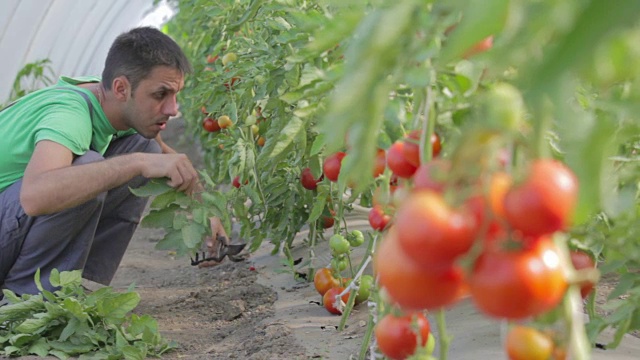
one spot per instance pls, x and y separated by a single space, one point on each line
53 113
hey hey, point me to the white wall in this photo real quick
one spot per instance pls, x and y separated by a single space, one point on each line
74 34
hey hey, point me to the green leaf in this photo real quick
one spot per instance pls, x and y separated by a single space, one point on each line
192 235
160 218
133 353
72 328
318 206
163 200
69 278
172 241
154 187
40 347
627 281
115 309
33 325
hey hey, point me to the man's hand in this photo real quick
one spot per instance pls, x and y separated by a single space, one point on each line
212 243
177 167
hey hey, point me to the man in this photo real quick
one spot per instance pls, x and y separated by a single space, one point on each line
70 152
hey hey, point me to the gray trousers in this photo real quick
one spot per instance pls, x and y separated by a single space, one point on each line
91 237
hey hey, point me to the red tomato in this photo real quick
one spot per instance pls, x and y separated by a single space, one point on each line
527 343
323 280
398 163
431 233
488 227
332 165
380 163
378 219
431 175
582 260
233 81
396 337
236 182
545 201
210 125
307 179
331 303
411 286
518 284
411 149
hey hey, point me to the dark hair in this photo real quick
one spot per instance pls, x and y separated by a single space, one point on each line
135 53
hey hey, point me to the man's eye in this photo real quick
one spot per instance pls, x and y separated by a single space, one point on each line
160 95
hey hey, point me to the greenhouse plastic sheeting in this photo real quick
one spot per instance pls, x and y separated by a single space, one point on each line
73 34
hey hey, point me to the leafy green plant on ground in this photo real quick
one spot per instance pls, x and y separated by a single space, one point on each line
69 322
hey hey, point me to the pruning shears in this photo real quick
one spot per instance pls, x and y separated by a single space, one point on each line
231 251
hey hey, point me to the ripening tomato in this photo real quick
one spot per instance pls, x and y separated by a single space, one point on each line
545 201
230 84
432 175
380 163
396 336
307 179
378 219
224 121
332 164
324 280
527 343
517 284
261 141
331 301
479 47
431 232
398 163
582 260
210 125
498 187
411 149
411 286
211 58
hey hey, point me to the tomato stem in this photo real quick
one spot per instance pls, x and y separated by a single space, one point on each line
572 307
366 338
445 339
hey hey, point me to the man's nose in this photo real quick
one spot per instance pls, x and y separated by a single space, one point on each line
170 107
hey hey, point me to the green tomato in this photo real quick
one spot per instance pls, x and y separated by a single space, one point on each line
339 245
431 344
250 120
364 290
339 264
355 238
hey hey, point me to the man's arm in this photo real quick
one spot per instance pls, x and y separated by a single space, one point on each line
166 149
51 184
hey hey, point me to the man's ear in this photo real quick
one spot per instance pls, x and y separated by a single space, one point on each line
121 88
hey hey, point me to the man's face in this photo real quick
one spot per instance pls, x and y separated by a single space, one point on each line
154 101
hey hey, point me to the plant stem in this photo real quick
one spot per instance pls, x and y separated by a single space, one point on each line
572 308
366 338
445 339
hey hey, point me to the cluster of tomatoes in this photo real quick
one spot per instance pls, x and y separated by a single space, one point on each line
488 238
329 281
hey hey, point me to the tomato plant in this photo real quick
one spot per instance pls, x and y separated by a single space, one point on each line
411 149
378 219
210 125
396 336
323 280
580 259
409 285
545 201
339 245
332 164
331 300
307 179
432 233
517 284
527 343
398 162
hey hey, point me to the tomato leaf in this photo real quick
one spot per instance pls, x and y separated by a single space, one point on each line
153 188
